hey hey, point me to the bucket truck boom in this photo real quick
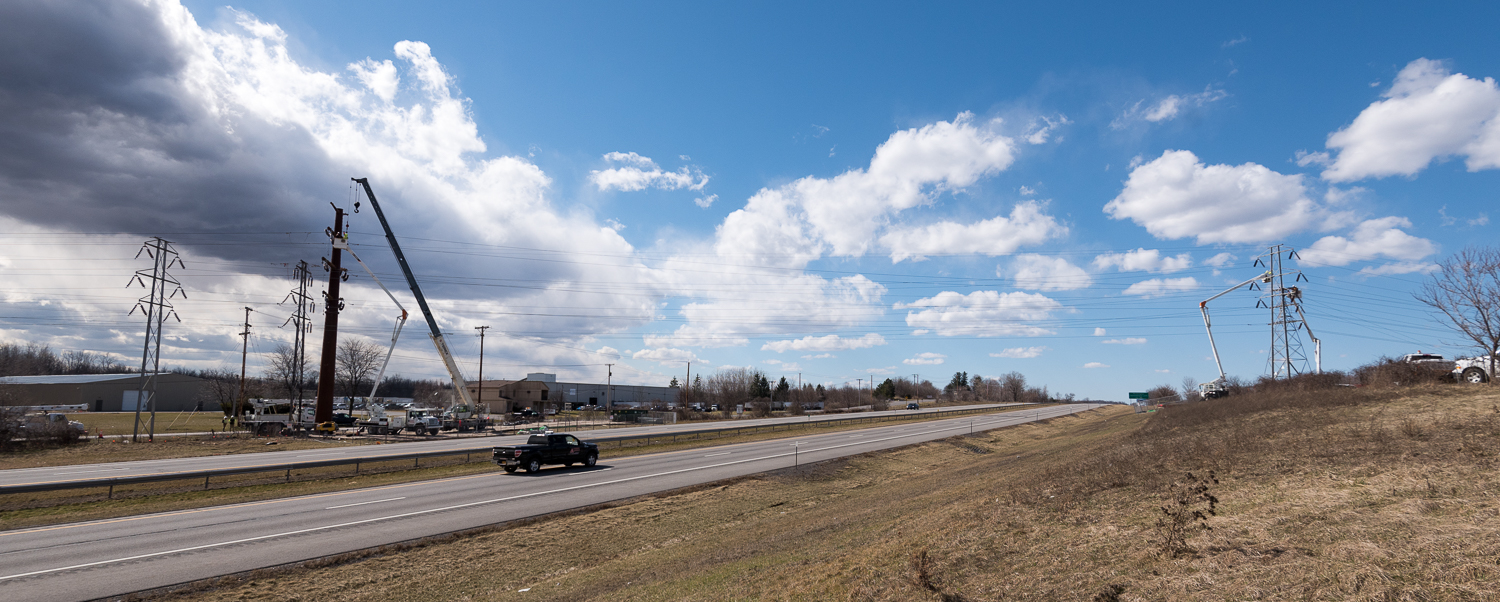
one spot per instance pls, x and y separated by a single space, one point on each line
460 386
1214 389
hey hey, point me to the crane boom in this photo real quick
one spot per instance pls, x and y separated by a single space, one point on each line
1203 306
459 384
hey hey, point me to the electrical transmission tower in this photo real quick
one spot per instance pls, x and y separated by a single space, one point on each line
1288 355
156 306
303 324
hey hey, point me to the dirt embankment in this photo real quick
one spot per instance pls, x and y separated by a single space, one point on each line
1326 494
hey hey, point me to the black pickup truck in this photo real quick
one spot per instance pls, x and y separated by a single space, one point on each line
551 448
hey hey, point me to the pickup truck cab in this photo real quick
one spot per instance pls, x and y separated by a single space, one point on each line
551 448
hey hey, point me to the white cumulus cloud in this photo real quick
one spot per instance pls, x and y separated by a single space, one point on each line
844 215
1126 341
1177 196
982 313
1144 260
1372 239
925 359
1020 352
1042 273
1157 287
1095 365
665 355
1429 113
1220 260
830 342
635 172
1000 235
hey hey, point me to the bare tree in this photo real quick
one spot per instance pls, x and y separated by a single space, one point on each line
356 361
1162 393
1465 291
285 373
1012 386
220 388
1189 388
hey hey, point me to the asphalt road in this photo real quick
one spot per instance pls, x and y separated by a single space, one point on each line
84 561
80 472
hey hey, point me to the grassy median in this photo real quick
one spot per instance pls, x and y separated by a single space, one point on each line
1332 494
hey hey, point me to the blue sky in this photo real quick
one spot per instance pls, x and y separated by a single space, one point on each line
837 190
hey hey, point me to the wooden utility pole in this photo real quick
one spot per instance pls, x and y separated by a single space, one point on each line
332 304
609 390
480 399
239 399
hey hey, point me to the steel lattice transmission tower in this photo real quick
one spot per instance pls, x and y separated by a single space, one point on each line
156 306
303 323
1287 356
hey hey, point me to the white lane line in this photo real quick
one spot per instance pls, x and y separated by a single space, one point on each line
718 454
363 503
455 507
88 471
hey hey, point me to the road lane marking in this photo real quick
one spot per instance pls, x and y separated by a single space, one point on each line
88 471
363 503
718 454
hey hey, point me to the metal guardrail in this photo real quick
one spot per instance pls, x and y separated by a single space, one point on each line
417 457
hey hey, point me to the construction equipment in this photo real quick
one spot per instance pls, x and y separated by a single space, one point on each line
459 385
1215 388
343 243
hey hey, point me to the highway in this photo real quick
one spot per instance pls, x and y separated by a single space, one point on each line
81 472
83 561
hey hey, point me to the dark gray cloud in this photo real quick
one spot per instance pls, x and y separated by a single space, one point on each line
99 132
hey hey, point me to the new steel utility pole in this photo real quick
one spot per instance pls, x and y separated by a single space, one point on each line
332 305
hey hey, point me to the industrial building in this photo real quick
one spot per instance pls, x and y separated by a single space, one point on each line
540 390
104 392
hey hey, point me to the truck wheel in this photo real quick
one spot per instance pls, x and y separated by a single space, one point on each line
510 469
591 460
1474 375
534 466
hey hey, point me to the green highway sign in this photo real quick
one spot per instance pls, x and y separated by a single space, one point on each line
1134 395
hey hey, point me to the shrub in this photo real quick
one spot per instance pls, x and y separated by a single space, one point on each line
1189 505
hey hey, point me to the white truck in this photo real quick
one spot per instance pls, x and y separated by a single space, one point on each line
44 419
1477 369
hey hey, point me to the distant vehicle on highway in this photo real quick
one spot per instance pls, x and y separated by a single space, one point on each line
552 448
914 406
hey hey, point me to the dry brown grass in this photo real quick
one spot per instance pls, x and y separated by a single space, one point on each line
1325 494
